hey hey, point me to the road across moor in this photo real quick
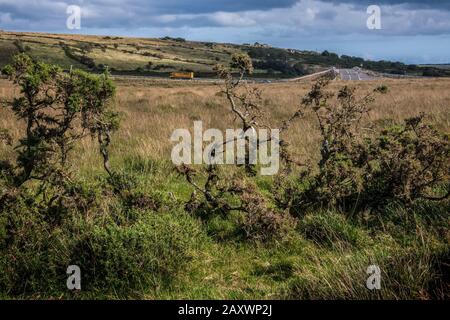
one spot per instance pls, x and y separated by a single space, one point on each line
354 74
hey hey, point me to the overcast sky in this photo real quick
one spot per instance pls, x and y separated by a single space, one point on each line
412 31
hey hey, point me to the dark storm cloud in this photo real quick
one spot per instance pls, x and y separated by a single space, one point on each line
27 8
205 6
419 4
109 13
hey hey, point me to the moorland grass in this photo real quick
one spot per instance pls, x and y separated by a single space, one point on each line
168 253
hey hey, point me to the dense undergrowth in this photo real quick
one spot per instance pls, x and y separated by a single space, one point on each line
376 197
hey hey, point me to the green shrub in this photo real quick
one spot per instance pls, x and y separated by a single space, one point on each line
263 224
407 162
404 162
34 258
114 259
58 110
257 222
145 255
339 175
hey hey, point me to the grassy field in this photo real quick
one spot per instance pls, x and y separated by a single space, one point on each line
329 262
152 110
120 54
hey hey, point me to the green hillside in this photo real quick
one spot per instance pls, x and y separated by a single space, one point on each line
159 57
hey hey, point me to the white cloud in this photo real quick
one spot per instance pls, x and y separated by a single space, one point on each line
232 19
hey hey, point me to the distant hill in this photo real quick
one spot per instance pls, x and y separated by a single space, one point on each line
441 65
435 70
159 57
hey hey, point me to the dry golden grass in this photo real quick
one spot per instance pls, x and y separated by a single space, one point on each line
152 110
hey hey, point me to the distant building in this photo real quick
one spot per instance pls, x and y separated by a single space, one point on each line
261 45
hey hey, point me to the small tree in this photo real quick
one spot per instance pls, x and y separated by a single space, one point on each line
259 222
245 102
221 195
368 168
58 110
408 161
339 125
342 152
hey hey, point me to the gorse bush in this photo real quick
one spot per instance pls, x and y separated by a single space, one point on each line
146 254
360 168
218 196
143 253
58 110
342 152
34 248
407 162
260 222
50 219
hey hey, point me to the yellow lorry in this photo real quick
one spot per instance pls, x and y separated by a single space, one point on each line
182 75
